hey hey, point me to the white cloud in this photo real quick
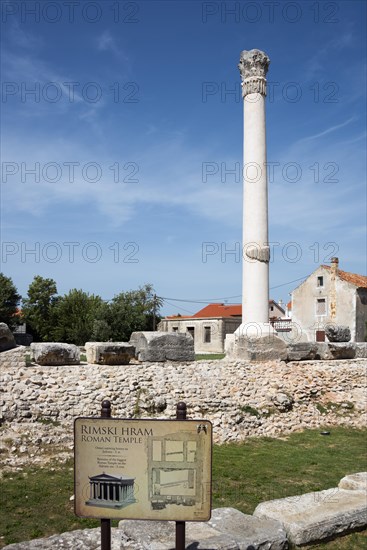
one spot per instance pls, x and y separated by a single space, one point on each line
328 130
107 43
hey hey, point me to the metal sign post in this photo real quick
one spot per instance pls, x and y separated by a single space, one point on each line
180 525
106 523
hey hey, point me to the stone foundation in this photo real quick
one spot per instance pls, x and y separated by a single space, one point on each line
241 399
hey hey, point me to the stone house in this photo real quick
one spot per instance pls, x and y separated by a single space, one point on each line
330 296
210 325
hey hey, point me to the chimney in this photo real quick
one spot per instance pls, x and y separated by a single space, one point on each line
334 266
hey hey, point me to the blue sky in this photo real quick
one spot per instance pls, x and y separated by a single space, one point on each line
121 143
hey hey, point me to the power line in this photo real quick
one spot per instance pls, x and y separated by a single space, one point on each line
201 301
206 300
290 282
182 308
223 299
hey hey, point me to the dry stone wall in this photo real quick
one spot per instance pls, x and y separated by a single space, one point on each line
241 399
12 359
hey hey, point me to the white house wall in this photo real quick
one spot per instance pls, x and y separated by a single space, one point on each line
340 304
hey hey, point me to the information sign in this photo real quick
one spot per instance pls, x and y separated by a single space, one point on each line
143 469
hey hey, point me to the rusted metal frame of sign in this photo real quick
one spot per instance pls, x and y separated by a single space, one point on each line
180 525
106 523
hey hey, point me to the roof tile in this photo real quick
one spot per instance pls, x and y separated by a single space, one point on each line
359 281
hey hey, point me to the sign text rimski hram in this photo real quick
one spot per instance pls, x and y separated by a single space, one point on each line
143 469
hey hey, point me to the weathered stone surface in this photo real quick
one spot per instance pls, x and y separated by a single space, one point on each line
7 340
236 396
354 482
302 351
249 531
337 333
361 350
316 516
336 350
13 358
86 539
109 353
283 402
160 535
264 348
55 353
163 346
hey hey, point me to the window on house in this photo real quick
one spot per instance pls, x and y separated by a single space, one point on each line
271 308
320 281
321 306
207 335
174 329
191 330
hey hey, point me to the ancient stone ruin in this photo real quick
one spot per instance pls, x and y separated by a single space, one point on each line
55 353
163 346
109 353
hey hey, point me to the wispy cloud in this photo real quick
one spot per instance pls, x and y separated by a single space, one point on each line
328 130
108 43
319 62
19 38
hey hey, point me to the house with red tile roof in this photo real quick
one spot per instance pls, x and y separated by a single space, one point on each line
212 323
330 296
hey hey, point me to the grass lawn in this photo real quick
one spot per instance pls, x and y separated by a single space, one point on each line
36 502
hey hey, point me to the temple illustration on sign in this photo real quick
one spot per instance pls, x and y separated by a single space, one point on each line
111 491
175 469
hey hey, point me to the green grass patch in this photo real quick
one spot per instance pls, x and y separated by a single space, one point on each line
209 356
266 468
36 502
250 410
337 408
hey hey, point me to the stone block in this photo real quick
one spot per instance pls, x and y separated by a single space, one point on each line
228 529
160 535
283 402
249 531
336 350
7 340
302 351
109 353
163 346
263 348
55 354
312 517
337 333
354 482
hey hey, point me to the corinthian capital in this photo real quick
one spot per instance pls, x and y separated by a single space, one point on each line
253 67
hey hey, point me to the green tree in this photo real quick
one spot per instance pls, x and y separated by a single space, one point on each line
75 316
101 330
38 308
9 301
131 311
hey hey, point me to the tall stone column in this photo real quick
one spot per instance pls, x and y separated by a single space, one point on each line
256 252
